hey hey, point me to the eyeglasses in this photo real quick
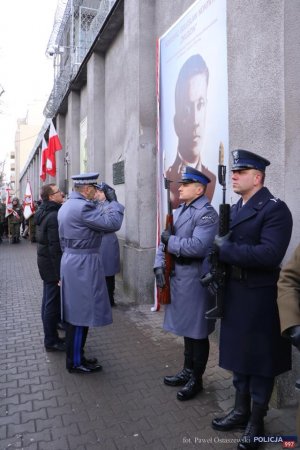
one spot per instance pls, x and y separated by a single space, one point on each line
56 192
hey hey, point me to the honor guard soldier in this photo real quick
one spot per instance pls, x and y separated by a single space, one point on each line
85 301
195 226
251 345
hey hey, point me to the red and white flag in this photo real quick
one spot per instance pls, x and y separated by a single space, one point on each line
28 202
9 207
43 160
54 145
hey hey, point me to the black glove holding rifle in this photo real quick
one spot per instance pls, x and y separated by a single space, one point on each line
215 279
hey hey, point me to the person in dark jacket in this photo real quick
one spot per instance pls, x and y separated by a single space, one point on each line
48 259
251 345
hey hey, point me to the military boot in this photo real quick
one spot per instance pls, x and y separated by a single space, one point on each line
180 379
191 389
237 418
255 428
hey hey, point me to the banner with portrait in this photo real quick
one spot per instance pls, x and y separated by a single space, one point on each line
192 99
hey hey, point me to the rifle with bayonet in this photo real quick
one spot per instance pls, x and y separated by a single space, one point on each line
215 280
164 293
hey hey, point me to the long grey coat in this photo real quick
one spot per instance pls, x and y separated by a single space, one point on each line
109 250
194 232
84 294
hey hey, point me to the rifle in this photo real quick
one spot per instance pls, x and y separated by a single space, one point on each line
215 280
164 294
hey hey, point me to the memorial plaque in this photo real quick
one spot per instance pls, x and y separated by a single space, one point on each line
118 173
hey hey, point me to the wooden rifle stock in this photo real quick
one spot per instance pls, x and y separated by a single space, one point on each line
164 294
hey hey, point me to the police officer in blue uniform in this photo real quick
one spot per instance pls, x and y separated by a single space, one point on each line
195 225
85 301
251 345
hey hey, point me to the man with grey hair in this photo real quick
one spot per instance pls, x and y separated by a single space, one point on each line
85 301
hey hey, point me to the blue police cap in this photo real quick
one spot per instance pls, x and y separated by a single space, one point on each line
191 175
243 159
85 178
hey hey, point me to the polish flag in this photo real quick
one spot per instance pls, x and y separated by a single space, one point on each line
43 160
9 207
54 145
28 202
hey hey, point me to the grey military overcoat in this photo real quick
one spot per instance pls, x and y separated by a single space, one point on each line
84 294
110 250
194 232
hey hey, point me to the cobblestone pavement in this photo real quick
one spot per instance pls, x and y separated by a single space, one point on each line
126 406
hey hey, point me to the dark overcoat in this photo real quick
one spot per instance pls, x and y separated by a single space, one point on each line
194 231
84 295
109 250
250 339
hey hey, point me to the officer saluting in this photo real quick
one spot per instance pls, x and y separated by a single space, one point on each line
250 342
84 296
195 225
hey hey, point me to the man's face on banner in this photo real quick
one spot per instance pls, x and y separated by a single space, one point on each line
189 120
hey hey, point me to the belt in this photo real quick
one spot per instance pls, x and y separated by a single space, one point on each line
237 273
183 261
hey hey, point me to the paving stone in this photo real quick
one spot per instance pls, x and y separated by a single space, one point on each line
126 406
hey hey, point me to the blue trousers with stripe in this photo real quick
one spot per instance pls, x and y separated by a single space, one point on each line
75 341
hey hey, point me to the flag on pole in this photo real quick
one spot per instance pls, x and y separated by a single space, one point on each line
43 160
28 201
9 207
54 145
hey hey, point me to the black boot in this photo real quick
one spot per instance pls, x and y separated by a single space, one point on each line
237 418
255 428
180 379
191 389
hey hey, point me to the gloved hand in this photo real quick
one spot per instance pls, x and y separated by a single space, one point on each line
165 236
220 240
160 277
109 193
293 334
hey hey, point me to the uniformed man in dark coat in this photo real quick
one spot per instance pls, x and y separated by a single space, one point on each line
289 305
195 225
251 345
85 301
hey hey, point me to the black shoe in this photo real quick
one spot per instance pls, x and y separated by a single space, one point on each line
180 379
237 418
58 347
254 429
85 369
89 361
190 390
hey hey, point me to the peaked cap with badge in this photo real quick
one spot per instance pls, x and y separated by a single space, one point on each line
243 159
191 175
85 178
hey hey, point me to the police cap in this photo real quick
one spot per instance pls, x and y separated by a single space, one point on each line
85 178
191 175
243 159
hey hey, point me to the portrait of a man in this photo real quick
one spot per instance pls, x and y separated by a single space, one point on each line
189 123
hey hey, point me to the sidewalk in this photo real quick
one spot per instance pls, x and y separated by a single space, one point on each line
126 406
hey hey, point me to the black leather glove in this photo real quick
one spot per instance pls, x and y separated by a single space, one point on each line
220 240
293 334
160 277
165 236
109 193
